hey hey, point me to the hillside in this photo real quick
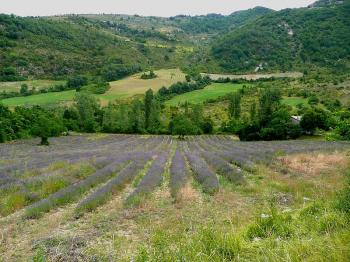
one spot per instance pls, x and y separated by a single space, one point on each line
57 47
54 47
181 27
289 39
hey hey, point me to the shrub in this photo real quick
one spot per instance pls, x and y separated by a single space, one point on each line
150 75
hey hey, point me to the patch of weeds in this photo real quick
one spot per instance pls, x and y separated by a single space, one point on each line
343 200
81 171
12 203
207 244
57 166
331 222
135 200
51 186
271 225
313 210
60 249
141 174
225 246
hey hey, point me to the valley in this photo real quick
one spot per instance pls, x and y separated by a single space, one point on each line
209 137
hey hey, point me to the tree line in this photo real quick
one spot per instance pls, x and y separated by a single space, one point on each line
86 115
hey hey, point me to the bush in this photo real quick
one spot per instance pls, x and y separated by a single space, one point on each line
146 76
97 89
76 82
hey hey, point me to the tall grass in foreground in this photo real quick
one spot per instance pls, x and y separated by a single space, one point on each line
319 231
272 237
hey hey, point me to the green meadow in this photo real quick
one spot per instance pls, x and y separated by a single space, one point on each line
212 91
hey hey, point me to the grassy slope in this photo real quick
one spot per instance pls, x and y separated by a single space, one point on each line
210 92
121 89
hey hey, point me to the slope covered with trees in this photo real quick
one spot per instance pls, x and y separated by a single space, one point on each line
60 46
289 39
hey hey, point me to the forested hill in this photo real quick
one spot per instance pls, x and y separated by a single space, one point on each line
181 25
119 45
289 39
60 46
93 44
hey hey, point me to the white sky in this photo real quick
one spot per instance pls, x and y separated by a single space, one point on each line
141 7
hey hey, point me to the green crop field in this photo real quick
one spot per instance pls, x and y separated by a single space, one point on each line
41 99
294 101
210 92
37 84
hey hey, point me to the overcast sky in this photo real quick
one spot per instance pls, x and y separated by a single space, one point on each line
140 7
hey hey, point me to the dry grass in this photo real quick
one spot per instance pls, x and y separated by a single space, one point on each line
314 164
187 194
256 76
133 85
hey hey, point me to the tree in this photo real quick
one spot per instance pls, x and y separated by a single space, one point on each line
181 125
235 105
88 109
46 126
253 112
77 82
137 117
148 106
154 125
344 130
269 101
24 89
312 119
313 100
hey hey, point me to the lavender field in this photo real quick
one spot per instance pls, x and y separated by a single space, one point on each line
89 171
98 197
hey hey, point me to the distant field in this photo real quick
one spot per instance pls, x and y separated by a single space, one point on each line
133 85
121 89
255 76
41 99
210 92
294 101
38 84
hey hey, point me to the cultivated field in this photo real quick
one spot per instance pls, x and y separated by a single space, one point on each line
37 84
255 76
156 198
52 98
212 91
133 85
294 101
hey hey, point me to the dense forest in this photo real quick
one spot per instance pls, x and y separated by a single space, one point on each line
291 39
